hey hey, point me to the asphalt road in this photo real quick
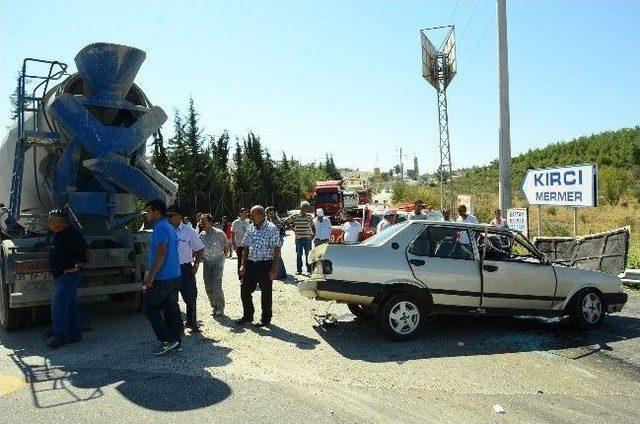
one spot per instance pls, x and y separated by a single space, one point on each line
536 370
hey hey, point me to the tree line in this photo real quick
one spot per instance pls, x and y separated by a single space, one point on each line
219 176
617 154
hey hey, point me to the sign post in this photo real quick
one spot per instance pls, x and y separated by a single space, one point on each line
518 219
575 186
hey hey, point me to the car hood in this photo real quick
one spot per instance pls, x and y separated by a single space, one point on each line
582 277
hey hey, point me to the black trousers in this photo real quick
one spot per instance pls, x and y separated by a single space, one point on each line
160 305
189 292
257 273
239 252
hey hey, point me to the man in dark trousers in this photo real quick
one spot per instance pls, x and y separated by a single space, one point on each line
66 259
190 248
162 280
259 265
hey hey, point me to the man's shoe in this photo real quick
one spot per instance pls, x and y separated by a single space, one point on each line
243 320
299 272
193 328
263 324
166 347
55 344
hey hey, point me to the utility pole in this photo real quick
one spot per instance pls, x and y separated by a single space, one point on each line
439 66
504 132
401 157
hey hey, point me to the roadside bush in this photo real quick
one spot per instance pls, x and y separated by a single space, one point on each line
556 229
633 260
613 184
627 221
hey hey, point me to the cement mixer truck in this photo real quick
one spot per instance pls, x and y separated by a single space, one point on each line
79 141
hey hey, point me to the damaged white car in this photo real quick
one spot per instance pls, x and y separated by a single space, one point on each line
417 268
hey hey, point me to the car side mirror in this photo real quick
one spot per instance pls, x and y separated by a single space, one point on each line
544 260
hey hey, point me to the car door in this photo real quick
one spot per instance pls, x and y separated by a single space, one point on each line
443 258
513 275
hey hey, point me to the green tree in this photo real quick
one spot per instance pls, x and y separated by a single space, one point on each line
613 184
160 158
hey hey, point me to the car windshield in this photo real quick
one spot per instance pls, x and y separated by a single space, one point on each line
384 235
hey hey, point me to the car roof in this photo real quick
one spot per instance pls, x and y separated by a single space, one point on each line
463 225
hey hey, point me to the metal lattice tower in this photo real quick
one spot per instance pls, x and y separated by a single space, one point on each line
439 68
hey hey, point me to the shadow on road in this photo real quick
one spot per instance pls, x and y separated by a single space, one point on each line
301 342
117 355
450 336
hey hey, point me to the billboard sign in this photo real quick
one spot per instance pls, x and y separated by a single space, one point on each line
451 64
429 61
518 219
575 186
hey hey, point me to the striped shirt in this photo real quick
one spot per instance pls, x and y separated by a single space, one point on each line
303 225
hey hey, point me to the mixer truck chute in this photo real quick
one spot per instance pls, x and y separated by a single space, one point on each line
80 143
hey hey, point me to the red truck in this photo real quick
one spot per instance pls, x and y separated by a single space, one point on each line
333 199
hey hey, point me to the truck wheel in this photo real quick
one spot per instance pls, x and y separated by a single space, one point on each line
9 318
402 317
587 309
361 311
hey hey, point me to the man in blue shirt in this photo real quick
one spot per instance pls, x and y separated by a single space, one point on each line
162 280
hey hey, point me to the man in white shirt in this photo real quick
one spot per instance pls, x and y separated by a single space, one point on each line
498 220
463 216
416 213
189 247
351 229
385 221
239 228
323 228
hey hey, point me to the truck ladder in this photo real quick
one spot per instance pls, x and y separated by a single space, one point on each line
35 135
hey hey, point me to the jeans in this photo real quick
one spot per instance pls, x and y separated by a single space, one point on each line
212 274
160 305
65 314
189 292
303 244
257 273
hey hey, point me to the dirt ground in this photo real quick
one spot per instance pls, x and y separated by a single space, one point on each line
537 370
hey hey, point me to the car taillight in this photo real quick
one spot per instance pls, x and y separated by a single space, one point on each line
327 267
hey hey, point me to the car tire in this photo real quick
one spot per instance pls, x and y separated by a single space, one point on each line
587 309
361 311
402 316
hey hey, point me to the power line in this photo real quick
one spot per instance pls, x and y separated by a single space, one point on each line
455 5
484 34
475 7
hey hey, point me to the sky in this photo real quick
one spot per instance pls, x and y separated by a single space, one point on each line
344 77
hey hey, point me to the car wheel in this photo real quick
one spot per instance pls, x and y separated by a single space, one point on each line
588 309
402 317
361 311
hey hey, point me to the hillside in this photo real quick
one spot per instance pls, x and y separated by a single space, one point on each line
618 149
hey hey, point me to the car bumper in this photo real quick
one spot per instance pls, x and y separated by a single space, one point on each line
615 301
339 291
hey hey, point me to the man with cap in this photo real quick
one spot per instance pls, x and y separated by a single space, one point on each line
323 228
302 224
385 221
190 249
67 257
